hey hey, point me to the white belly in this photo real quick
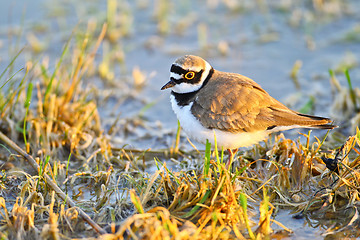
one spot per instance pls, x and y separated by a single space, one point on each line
197 132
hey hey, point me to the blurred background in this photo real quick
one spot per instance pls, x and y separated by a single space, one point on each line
286 46
89 101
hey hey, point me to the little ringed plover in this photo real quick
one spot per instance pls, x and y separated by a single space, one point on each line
230 106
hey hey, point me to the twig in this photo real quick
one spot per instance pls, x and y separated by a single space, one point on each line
51 183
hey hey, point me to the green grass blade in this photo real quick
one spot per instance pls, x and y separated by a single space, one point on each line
47 159
11 63
243 204
243 201
11 77
27 105
136 201
28 95
309 106
207 158
44 72
40 167
219 160
351 90
67 166
196 207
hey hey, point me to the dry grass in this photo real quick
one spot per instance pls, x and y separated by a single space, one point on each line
52 114
193 205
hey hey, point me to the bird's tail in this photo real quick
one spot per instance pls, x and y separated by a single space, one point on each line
285 118
317 122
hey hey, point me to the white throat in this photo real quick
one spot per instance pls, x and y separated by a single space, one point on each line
188 87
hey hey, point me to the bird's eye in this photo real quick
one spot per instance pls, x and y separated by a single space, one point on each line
190 75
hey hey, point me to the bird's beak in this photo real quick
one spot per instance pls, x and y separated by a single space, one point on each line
169 84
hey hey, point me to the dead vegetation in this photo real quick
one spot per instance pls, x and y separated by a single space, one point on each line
52 115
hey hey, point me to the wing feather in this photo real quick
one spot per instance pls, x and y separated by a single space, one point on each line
234 103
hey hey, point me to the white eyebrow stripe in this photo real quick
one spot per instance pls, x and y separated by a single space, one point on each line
195 69
192 68
175 75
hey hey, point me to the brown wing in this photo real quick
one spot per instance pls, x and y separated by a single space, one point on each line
235 103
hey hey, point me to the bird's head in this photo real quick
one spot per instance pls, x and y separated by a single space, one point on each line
187 74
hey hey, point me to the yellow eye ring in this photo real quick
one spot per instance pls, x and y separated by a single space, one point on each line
190 75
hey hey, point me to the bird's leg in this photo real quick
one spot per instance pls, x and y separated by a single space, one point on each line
231 157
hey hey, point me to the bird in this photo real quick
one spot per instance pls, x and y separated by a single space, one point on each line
228 107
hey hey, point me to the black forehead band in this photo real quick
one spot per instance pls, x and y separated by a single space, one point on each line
177 69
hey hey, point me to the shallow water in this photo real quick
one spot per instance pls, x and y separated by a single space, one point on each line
268 63
262 45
